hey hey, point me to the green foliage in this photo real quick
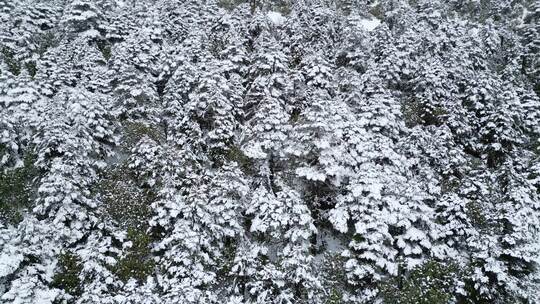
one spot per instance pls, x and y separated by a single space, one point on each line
334 277
227 259
281 6
449 184
473 296
31 68
476 214
343 61
105 49
134 131
235 154
232 153
295 115
14 66
230 4
416 113
358 238
45 41
296 56
435 116
411 113
321 195
3 150
126 202
377 11
15 190
217 44
430 283
343 6
334 297
67 277
137 262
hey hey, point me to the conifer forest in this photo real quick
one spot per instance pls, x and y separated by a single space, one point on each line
269 151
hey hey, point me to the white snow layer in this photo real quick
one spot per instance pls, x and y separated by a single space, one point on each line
276 18
9 263
369 24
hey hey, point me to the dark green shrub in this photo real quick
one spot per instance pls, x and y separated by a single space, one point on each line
137 263
14 66
126 202
235 154
68 275
295 115
450 183
411 113
4 151
335 297
105 49
476 214
472 292
232 153
282 6
377 11
16 188
227 258
230 4
133 132
45 41
430 283
418 113
128 205
31 68
334 280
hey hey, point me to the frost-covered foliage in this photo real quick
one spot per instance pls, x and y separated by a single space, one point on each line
269 151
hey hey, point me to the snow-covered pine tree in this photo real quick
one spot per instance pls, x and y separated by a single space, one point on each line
269 151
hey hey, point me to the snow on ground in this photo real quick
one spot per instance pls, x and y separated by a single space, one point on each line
331 243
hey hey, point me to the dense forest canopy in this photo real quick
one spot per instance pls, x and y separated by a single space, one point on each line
229 151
